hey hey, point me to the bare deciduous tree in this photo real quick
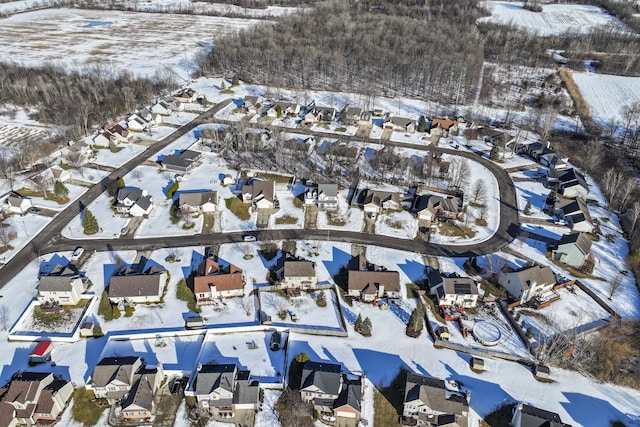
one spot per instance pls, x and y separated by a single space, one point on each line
479 192
614 286
6 231
248 304
4 317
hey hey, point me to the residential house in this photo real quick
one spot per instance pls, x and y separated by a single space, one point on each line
138 283
59 174
354 116
50 176
400 124
327 197
133 201
223 389
166 106
575 214
282 109
570 183
82 149
34 398
434 402
528 282
253 104
331 392
295 146
198 201
17 203
373 202
443 127
183 162
536 150
435 167
453 290
554 161
261 194
295 273
186 95
431 208
341 152
498 138
574 249
529 416
320 114
63 285
142 120
214 280
368 281
113 135
129 381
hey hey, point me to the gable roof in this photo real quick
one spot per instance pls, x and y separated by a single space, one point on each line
115 368
141 394
133 285
211 274
379 197
56 283
367 277
575 208
531 416
131 193
445 123
460 286
182 160
542 275
433 393
299 268
25 386
351 395
569 178
260 189
579 239
328 190
198 198
213 376
325 376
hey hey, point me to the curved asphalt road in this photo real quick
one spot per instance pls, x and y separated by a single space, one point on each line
51 240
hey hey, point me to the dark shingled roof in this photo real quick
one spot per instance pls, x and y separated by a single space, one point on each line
536 417
325 376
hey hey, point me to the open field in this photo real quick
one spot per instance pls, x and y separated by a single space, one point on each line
607 95
127 40
554 19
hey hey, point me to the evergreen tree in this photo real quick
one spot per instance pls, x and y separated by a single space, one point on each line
366 327
60 190
415 325
235 81
494 154
321 299
527 208
89 222
358 325
551 198
104 309
422 124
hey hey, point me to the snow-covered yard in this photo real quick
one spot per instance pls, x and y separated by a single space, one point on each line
555 19
118 157
109 221
401 224
309 314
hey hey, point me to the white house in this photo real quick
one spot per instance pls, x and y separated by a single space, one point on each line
453 290
17 203
575 214
327 197
261 194
528 282
138 285
296 273
199 202
62 285
133 201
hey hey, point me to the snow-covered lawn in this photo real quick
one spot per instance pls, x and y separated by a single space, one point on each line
106 157
335 128
155 133
607 95
26 227
310 315
231 312
232 112
292 216
75 191
352 218
555 19
401 224
88 174
179 118
109 221
534 192
418 138
76 37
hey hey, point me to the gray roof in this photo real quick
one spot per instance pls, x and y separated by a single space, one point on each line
574 208
131 193
295 268
378 197
15 199
350 395
535 417
434 394
325 376
579 239
542 275
198 198
141 394
135 284
111 368
55 283
182 160
214 376
144 202
460 286
569 178
329 190
402 121
247 390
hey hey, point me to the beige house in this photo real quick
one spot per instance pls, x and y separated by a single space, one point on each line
137 285
214 281
61 285
282 109
368 281
575 214
453 290
434 402
261 194
31 398
296 273
373 202
199 201
431 208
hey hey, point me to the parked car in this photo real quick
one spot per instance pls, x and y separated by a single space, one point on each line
77 253
249 238
33 210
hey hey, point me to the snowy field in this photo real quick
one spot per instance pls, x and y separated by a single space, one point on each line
26 228
555 19
126 152
607 95
109 221
81 37
309 314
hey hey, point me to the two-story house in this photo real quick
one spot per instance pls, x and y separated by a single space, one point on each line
575 214
182 162
198 201
374 202
434 402
261 194
574 249
62 285
453 290
214 281
295 273
368 281
528 282
133 202
431 208
138 284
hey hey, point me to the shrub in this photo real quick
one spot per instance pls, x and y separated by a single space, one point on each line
116 312
60 190
282 314
84 410
527 208
128 310
416 322
172 189
321 299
